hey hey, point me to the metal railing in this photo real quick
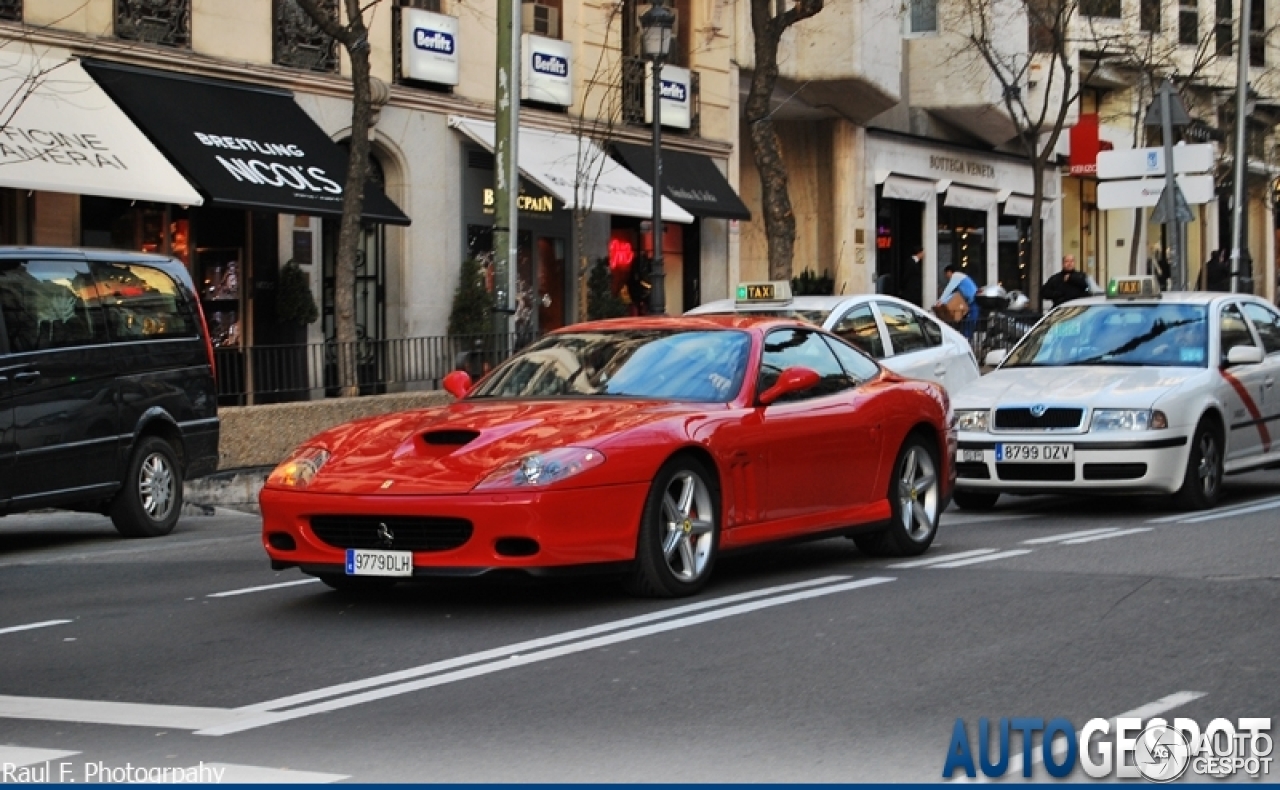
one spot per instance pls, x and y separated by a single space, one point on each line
279 374
995 329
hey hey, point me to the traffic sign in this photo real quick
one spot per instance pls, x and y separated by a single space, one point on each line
1145 192
1172 208
1139 162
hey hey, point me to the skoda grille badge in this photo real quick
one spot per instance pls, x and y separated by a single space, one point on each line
385 536
1038 410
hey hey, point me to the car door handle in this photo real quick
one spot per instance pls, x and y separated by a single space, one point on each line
1268 382
26 376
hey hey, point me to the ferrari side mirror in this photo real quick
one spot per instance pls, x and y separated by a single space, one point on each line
457 383
797 379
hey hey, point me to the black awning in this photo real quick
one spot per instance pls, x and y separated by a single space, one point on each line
243 146
691 180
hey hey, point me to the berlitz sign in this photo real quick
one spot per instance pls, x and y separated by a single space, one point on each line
547 76
429 46
676 91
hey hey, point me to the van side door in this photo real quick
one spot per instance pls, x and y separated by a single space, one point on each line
61 383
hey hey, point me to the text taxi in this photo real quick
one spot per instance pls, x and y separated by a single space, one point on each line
1134 391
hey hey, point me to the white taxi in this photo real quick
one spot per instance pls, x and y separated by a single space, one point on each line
1134 391
895 333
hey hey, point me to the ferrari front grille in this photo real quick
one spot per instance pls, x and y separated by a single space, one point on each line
400 533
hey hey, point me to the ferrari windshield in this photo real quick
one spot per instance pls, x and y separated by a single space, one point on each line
1117 333
703 366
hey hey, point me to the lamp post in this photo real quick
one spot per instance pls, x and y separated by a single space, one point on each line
656 24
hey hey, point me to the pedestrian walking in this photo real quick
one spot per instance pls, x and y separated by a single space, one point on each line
959 285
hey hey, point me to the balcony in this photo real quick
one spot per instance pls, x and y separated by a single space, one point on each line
845 62
636 96
163 22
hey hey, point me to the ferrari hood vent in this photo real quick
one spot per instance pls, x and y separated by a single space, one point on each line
450 438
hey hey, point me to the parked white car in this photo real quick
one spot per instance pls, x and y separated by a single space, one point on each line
896 333
1135 391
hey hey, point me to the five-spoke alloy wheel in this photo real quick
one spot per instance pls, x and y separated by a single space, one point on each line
915 501
679 531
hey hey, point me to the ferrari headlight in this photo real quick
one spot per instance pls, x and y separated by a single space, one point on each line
300 468
539 470
1128 420
972 419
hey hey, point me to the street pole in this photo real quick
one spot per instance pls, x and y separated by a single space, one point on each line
1177 265
506 187
658 293
1241 157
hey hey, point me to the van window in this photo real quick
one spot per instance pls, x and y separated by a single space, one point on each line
49 304
143 303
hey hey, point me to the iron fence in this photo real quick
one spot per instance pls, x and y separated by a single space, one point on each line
995 329
278 374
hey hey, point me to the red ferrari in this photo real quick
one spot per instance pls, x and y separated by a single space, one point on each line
643 446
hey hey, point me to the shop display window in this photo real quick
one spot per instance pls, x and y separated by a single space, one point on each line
220 293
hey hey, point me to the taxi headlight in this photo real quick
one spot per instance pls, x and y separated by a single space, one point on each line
300 468
1128 420
539 470
971 419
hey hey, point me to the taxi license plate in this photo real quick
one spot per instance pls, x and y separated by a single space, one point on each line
1034 453
375 562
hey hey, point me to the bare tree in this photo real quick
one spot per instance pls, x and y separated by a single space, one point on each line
354 38
769 20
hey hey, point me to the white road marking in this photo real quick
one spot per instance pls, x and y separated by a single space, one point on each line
941 558
1069 535
258 775
13 629
513 661
986 558
1107 536
129 714
1227 512
956 519
18 756
262 588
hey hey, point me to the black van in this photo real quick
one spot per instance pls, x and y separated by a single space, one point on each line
107 399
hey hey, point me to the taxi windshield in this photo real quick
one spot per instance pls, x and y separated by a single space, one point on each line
700 366
1117 333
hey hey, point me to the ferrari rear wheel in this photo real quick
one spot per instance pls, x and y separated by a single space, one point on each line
915 501
679 532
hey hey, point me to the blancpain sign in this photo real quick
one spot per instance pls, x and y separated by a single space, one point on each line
547 75
428 46
676 97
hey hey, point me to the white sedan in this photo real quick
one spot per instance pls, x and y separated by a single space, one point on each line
1134 391
897 334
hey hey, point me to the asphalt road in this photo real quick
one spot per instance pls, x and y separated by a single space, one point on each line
802 663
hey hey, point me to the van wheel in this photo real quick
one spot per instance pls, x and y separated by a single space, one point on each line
150 501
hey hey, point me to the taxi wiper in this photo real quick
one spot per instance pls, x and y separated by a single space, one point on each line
1157 329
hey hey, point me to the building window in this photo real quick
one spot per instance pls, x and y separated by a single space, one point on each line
1108 8
1222 34
436 6
1257 33
1188 22
542 18
924 16
299 42
11 10
1149 16
164 22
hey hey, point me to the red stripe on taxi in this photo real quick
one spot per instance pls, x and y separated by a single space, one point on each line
1252 408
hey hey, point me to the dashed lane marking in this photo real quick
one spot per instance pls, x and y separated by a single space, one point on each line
1107 536
1226 512
13 629
942 558
261 588
1066 536
1004 555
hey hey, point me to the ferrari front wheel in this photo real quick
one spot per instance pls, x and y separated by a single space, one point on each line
679 532
915 502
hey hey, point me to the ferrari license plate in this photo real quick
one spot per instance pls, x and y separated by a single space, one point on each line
1034 453
375 562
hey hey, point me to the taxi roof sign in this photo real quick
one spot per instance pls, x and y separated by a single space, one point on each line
1134 287
774 291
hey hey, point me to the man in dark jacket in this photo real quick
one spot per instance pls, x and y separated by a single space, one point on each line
1067 284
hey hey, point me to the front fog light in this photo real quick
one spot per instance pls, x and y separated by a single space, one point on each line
1123 420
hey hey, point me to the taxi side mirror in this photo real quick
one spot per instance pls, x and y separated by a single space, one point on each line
797 379
457 383
1245 355
995 357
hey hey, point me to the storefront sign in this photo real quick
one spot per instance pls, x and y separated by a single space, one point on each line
429 46
547 76
954 165
1085 145
677 97
530 204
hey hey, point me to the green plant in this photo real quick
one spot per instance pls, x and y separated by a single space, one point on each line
810 284
602 302
294 301
471 313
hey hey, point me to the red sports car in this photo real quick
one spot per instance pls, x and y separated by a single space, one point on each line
643 446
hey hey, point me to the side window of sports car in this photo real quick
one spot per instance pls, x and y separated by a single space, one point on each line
905 334
858 326
789 348
859 368
1233 330
1267 322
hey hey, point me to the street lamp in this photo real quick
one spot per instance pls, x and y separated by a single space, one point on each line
656 24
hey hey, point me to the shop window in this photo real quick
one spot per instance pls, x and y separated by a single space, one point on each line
163 22
1222 32
11 10
541 18
298 42
924 16
1188 22
1104 8
1149 16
